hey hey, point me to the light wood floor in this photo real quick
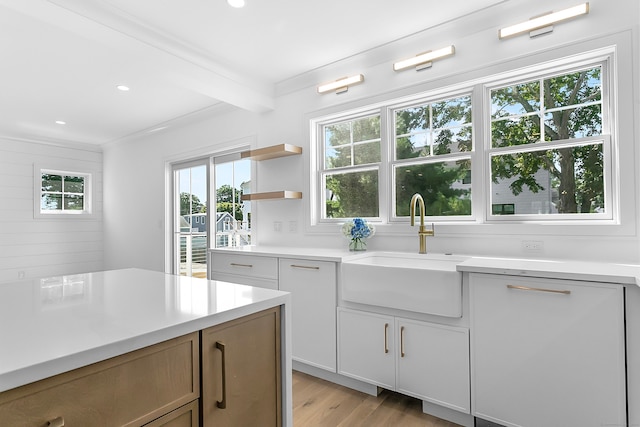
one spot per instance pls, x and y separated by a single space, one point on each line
319 403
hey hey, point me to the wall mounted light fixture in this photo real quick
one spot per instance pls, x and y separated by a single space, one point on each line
544 23
341 85
424 60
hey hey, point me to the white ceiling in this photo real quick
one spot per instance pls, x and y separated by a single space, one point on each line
62 59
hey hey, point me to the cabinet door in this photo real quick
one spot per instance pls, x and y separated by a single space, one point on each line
433 363
241 379
313 294
547 352
366 347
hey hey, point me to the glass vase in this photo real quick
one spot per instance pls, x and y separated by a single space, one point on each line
357 245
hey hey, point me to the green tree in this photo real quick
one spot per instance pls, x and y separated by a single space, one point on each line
573 110
228 200
447 122
353 193
191 204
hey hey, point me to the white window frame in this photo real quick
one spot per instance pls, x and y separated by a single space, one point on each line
38 212
322 172
393 163
481 142
605 138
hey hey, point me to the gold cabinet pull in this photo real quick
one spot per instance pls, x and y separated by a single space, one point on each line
527 288
308 267
223 403
56 422
386 338
235 264
401 341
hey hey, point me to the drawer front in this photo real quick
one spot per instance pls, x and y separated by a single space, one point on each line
185 416
127 390
245 265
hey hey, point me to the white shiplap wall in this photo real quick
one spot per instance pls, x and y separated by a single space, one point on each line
40 247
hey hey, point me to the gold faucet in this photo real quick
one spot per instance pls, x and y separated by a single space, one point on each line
422 231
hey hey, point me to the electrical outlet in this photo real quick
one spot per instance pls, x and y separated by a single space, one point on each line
277 226
532 245
20 274
293 226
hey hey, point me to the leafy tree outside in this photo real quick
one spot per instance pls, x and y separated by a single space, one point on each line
542 117
559 108
191 204
228 200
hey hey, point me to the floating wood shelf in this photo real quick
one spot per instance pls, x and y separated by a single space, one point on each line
286 194
272 152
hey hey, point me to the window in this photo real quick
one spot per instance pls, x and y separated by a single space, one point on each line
350 170
432 142
541 149
63 193
547 146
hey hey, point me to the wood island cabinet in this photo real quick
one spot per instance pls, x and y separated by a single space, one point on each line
241 378
128 390
185 416
162 386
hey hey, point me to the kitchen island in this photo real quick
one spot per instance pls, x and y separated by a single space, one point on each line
82 325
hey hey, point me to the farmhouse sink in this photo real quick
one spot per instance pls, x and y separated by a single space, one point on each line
423 283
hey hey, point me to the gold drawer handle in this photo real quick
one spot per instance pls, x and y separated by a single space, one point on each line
56 422
527 288
234 264
308 267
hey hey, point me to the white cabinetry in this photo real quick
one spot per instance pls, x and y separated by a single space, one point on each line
547 352
313 289
313 293
421 359
252 270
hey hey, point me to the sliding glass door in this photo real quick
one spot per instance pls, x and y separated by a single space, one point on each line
191 218
198 222
233 216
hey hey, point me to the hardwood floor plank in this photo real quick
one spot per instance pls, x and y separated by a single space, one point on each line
319 403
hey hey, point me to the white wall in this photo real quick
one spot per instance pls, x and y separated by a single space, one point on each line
135 168
44 247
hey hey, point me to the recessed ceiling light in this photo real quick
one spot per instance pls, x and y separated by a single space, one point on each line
123 88
236 3
60 122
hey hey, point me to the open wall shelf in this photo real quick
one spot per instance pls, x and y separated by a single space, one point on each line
285 194
267 153
273 152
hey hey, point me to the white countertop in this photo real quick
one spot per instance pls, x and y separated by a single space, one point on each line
53 325
628 274
317 254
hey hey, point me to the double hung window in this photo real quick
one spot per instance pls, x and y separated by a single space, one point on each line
351 161
432 144
547 150
538 146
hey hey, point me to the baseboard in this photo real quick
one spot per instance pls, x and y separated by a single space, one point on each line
336 378
466 420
